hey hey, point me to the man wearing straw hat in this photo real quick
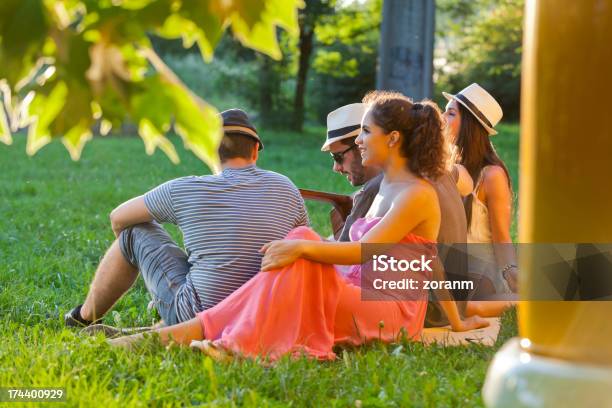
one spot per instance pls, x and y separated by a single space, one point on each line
343 127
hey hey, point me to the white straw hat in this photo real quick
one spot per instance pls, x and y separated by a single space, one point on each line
481 104
343 123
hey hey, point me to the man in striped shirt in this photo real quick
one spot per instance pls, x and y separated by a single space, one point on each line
225 219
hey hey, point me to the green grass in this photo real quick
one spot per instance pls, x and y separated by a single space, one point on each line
54 229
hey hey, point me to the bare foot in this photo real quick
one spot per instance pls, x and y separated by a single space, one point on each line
471 323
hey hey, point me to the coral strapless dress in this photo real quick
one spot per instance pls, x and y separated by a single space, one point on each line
308 307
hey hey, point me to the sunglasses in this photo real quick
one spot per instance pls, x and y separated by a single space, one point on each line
339 156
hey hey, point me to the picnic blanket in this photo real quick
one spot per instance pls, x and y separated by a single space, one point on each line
445 336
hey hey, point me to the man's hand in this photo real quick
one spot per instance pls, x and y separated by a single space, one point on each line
280 253
470 323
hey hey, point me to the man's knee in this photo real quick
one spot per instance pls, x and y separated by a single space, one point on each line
139 232
144 229
130 238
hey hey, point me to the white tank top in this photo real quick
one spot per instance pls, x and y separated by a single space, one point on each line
482 257
479 230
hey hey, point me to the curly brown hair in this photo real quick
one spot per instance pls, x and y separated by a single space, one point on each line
421 126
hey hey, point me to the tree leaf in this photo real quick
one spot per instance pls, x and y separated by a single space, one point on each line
197 122
194 23
42 111
199 125
261 36
79 61
5 131
284 13
21 43
75 139
153 138
105 127
151 100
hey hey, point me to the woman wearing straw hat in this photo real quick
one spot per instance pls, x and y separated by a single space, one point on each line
471 116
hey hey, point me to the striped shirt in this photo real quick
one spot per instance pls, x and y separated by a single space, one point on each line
225 219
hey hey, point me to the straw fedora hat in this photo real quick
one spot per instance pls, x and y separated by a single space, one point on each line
343 123
481 104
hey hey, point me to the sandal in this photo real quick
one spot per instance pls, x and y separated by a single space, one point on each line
73 318
112 332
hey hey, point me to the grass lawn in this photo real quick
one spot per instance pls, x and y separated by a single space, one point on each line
53 230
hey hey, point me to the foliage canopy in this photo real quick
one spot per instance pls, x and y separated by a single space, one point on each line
69 63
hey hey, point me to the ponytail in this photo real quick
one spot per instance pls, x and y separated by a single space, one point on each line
425 147
420 125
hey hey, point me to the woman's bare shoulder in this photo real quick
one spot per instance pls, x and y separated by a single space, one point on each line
495 183
417 192
494 175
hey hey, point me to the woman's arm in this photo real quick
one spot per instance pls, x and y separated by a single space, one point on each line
499 204
407 211
286 251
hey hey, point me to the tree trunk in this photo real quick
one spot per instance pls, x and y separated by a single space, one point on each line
406 47
305 49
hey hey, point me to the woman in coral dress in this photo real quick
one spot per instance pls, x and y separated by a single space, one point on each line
299 303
